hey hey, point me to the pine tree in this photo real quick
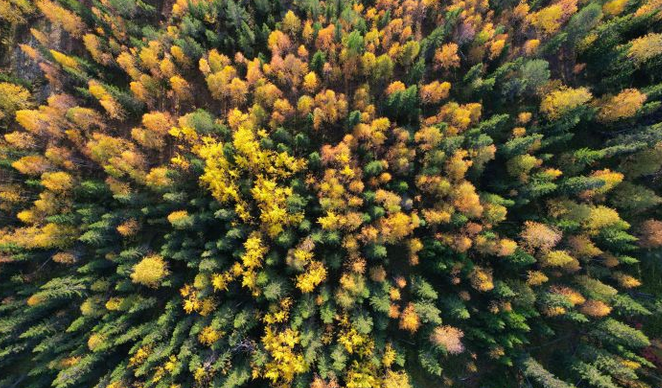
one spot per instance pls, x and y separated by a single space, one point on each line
325 194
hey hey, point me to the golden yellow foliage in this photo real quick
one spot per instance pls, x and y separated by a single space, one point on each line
481 279
601 217
128 228
158 178
94 47
15 11
572 296
150 271
310 82
627 281
315 274
614 7
177 216
531 46
106 99
355 342
559 259
57 182
595 308
446 57
32 165
564 100
548 20
65 60
362 376
396 380
625 104
64 258
12 98
58 15
285 363
209 335
646 47
324 178
434 92
409 319
649 7
291 23
95 341
466 200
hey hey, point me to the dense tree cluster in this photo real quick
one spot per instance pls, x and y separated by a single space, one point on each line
326 194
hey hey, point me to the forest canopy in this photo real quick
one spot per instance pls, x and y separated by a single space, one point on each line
327 194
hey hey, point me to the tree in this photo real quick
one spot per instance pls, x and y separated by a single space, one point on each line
330 194
149 271
449 338
564 100
644 48
625 104
12 98
446 57
60 16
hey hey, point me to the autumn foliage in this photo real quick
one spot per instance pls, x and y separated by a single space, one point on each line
331 194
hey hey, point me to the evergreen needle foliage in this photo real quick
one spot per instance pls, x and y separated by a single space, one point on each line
326 194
